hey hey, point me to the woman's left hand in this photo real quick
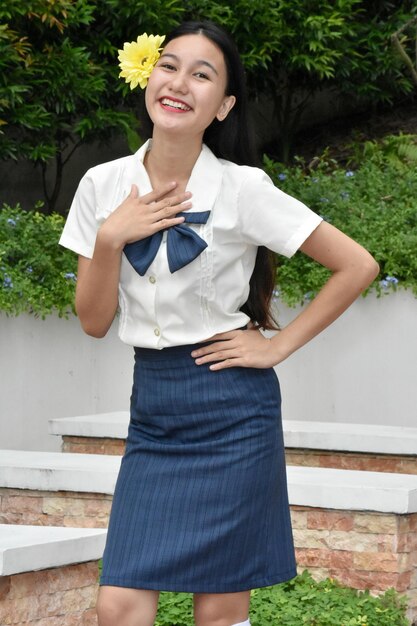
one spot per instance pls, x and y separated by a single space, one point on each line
236 348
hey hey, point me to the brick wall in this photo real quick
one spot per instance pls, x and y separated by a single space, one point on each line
93 445
364 550
64 596
366 461
54 508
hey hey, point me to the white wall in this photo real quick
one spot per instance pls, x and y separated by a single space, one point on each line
50 368
361 369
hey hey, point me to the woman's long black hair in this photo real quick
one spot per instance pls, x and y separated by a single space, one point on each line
232 139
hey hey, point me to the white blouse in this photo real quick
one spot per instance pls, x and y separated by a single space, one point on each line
203 298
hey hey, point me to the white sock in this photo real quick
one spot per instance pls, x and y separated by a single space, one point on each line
245 623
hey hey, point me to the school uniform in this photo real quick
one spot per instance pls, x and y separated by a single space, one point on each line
201 500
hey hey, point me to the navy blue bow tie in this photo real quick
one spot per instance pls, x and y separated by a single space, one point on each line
183 245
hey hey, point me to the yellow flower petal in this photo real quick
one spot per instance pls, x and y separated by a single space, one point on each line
138 58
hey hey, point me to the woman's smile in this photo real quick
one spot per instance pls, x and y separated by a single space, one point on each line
174 105
188 83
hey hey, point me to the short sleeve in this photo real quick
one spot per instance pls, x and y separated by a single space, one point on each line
80 230
271 218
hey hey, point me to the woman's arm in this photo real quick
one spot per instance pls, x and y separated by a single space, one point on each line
353 269
96 298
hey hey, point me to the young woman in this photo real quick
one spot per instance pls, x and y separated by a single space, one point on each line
176 236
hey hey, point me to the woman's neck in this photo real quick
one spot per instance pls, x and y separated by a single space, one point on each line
171 158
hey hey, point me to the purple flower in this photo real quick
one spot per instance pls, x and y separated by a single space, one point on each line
7 282
389 281
70 276
349 173
282 176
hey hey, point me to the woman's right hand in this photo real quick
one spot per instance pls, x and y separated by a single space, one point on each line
138 216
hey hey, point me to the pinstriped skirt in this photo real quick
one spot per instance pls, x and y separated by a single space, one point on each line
201 500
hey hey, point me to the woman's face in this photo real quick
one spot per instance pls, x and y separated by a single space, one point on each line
186 90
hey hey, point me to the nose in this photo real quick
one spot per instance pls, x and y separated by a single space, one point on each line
179 82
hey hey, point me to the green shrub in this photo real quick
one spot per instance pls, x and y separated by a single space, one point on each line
375 204
301 602
36 274
59 86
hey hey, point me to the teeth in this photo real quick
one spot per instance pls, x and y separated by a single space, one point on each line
175 105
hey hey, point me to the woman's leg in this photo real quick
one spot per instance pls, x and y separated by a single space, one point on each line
221 609
120 606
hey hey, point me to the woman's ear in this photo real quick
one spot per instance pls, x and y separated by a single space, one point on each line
226 106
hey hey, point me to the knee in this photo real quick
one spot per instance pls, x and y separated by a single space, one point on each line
122 607
211 616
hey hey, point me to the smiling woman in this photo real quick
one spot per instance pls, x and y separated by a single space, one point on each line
190 78
180 236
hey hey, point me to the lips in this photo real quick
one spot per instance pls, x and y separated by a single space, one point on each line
172 104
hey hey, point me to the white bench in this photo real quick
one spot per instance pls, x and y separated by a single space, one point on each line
29 548
49 574
297 434
308 486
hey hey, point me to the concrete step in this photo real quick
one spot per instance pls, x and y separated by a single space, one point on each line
28 548
313 444
49 575
308 486
351 437
106 425
358 527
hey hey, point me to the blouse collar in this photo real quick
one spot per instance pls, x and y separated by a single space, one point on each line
204 182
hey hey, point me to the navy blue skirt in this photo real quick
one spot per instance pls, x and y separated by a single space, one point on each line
201 500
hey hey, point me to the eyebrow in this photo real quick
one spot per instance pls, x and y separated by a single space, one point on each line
198 62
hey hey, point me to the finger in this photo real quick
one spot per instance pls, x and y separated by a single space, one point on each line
221 355
222 365
157 194
210 347
178 202
165 223
134 192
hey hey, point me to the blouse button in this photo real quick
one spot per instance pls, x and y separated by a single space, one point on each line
152 279
157 332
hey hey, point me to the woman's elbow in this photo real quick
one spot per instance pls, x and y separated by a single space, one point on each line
368 269
93 325
92 330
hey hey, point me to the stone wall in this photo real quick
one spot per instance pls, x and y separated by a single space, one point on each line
364 461
54 508
363 550
93 445
62 595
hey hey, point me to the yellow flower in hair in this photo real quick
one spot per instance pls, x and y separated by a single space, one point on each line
138 58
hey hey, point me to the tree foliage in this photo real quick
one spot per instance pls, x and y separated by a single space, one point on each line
59 85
